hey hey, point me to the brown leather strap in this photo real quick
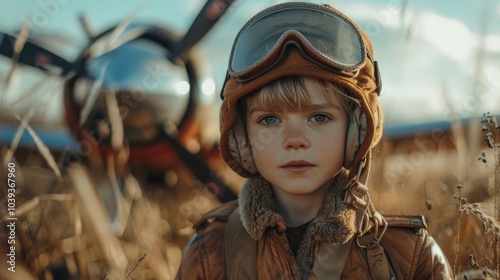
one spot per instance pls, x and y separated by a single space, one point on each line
377 261
240 250
331 261
412 221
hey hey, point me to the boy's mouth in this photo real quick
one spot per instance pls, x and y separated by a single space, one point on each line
298 166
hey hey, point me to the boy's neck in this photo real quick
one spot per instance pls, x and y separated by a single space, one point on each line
300 209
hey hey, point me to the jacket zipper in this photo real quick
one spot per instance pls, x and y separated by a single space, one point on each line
310 261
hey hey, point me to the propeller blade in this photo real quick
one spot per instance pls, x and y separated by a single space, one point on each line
34 55
207 17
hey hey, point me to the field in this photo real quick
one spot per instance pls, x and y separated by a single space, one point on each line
62 230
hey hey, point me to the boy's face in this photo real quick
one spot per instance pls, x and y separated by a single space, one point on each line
299 151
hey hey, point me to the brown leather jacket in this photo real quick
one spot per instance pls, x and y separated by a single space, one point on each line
249 242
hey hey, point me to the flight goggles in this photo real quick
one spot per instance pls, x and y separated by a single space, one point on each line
323 35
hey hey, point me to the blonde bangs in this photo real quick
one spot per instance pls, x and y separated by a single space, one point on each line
290 94
284 94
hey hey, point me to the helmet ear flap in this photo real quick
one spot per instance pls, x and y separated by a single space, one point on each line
356 132
239 147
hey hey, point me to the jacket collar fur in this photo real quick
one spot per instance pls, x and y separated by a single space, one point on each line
335 222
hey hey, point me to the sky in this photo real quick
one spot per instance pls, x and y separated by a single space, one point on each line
439 60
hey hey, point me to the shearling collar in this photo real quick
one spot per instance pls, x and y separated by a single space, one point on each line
335 222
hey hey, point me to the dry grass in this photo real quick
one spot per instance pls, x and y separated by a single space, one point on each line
420 175
65 229
65 232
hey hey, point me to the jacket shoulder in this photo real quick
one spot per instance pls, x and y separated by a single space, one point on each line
220 213
404 233
203 257
408 233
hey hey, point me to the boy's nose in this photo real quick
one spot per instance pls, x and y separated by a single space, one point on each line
295 137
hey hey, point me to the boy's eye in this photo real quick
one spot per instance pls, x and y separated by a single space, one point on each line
269 120
320 118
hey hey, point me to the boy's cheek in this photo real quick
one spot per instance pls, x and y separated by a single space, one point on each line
259 139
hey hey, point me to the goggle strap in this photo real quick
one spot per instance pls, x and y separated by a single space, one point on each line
378 80
224 85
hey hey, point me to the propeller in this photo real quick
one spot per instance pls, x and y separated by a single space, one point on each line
36 56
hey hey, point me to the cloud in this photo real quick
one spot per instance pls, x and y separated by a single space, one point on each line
449 36
433 66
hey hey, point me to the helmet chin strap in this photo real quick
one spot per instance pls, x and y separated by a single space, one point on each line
367 217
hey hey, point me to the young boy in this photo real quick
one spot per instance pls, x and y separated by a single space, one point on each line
299 118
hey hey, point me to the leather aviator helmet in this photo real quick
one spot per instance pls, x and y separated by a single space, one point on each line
294 30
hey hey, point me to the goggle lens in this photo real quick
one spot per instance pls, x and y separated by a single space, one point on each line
328 37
